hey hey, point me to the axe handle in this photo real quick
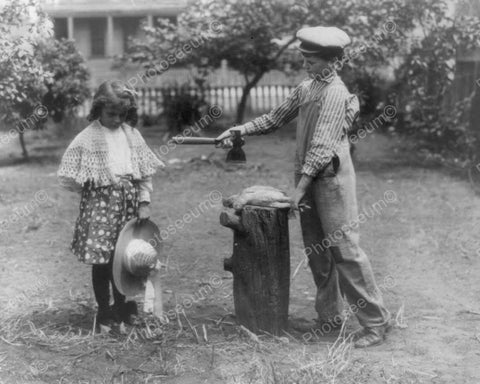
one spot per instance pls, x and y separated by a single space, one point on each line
194 140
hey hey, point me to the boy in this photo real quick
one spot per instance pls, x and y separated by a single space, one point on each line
325 181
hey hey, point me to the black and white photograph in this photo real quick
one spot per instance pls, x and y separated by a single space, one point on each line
240 192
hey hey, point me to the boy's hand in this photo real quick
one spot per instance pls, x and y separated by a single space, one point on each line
143 211
297 197
225 137
300 191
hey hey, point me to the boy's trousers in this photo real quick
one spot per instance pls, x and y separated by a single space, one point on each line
330 230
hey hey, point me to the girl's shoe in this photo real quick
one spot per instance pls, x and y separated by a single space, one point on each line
125 312
104 317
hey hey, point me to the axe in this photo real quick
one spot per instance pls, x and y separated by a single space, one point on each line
234 155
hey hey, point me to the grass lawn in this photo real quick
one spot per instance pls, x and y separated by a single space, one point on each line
424 248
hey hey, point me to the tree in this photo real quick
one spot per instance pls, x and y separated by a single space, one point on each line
425 79
256 36
39 76
22 76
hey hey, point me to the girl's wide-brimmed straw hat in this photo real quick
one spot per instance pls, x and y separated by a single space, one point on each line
136 255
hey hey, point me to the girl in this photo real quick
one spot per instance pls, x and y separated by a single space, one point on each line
112 167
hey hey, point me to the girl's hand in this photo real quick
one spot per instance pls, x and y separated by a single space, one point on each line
143 211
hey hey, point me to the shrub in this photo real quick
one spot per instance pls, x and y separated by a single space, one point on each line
425 80
69 86
183 107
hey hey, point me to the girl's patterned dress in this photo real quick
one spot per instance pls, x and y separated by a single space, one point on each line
103 213
112 170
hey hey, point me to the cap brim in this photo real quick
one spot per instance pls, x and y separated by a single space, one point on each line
308 48
308 51
126 283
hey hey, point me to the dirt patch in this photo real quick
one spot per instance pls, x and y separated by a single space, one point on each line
423 246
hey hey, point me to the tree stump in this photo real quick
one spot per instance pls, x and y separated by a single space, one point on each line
260 265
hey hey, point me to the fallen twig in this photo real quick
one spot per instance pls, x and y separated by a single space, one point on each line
469 312
84 354
194 330
250 334
204 328
297 269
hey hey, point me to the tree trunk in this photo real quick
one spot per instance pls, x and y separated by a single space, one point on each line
246 92
250 84
242 105
22 144
260 265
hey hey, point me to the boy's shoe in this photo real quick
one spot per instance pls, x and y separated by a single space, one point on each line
370 336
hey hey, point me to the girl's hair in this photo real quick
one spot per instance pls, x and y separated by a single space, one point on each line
118 95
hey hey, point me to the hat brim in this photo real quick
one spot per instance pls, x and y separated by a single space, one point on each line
126 283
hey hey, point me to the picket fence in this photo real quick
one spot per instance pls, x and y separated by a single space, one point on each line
262 98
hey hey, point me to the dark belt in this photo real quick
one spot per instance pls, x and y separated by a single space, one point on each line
125 177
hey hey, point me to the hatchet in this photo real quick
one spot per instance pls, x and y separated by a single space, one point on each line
234 155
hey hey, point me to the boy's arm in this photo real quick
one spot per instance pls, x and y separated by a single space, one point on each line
277 117
269 122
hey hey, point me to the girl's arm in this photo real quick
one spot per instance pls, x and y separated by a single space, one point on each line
145 187
69 184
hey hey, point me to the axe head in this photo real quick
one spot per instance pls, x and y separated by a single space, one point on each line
236 154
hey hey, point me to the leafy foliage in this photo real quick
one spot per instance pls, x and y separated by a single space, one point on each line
23 78
425 79
69 86
37 73
256 36
182 108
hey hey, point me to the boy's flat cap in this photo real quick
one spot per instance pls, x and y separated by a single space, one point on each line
315 39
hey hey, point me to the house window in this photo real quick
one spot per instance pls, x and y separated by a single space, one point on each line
60 29
98 29
130 27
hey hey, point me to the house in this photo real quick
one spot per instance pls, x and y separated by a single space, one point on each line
101 29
